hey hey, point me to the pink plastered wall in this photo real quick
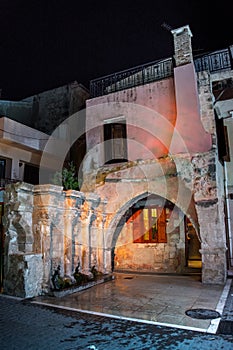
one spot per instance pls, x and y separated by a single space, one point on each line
189 134
161 117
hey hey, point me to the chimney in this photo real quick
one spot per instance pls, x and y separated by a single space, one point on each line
182 45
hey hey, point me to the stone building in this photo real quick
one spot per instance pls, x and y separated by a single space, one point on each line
27 124
25 128
157 180
156 153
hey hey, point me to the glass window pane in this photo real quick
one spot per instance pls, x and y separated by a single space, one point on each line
154 212
146 225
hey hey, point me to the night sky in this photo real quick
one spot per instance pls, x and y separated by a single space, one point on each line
48 43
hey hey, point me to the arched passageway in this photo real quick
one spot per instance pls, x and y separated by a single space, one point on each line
154 235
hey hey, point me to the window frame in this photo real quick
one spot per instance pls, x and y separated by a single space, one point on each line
31 173
157 230
2 168
111 129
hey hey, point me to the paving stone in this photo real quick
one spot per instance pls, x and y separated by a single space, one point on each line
26 326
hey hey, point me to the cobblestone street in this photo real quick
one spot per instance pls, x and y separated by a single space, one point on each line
26 326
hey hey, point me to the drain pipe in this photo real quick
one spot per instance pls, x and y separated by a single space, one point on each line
228 219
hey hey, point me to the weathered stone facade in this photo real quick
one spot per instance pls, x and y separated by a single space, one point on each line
50 108
171 160
46 227
22 141
172 153
22 265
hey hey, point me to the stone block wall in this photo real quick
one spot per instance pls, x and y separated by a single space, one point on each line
193 184
50 108
206 103
157 257
23 275
22 266
46 227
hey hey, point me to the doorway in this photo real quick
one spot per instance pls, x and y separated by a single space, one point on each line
193 246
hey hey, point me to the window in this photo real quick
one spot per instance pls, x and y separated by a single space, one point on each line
149 225
2 168
31 174
2 172
115 142
222 140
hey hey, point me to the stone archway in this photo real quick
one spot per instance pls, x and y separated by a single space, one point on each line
167 257
125 186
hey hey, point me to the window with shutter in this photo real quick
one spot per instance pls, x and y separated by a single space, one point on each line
149 225
116 145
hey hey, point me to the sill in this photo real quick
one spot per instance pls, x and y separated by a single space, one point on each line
116 161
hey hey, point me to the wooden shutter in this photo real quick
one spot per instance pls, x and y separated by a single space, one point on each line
118 141
116 147
137 226
162 236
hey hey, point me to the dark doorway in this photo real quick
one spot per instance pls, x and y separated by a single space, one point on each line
115 142
193 246
31 174
1 239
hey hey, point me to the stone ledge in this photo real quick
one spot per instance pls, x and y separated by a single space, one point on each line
75 289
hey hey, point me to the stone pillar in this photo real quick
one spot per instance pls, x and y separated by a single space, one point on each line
73 202
83 237
18 208
182 45
49 225
108 259
102 238
24 278
109 245
22 267
209 199
93 201
98 236
213 243
206 108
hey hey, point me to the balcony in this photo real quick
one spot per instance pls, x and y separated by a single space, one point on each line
213 62
157 70
129 78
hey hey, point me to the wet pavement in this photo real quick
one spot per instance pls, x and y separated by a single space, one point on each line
226 323
151 299
132 312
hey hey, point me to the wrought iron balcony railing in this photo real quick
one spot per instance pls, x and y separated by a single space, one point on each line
213 62
139 75
157 70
